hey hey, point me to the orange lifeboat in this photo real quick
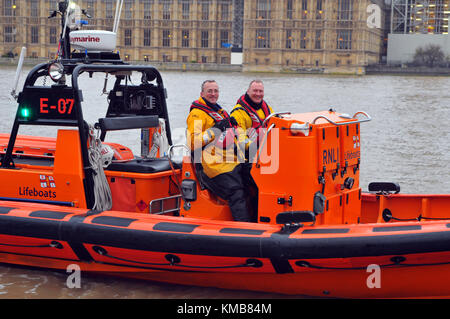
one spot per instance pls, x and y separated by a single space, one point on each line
317 233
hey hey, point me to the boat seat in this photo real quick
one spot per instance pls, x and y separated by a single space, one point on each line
125 123
144 166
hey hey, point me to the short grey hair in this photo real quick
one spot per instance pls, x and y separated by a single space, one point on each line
206 82
255 81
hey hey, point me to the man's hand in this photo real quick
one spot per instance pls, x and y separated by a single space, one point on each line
222 125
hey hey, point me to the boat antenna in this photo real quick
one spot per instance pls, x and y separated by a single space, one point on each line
18 71
119 4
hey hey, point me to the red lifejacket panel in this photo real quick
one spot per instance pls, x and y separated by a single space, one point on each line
256 120
225 139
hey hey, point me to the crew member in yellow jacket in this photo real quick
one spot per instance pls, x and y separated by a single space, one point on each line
213 143
250 112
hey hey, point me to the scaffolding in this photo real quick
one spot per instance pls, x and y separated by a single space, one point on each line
238 23
420 16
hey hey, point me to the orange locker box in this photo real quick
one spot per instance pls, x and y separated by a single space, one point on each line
133 192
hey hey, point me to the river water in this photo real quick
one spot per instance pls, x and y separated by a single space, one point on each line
407 142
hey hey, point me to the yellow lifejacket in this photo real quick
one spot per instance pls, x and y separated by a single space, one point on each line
200 139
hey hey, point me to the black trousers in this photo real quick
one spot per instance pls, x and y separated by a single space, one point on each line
251 190
230 187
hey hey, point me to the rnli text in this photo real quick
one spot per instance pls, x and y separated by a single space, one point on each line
330 156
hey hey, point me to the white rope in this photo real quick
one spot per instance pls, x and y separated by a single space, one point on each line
102 192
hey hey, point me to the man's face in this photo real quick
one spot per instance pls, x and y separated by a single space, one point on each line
256 92
210 92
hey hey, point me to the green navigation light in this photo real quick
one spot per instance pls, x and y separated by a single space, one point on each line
25 113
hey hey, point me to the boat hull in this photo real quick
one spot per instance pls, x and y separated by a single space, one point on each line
402 282
400 260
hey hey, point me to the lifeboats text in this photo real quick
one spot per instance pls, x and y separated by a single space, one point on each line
33 192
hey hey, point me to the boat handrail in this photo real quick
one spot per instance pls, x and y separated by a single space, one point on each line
171 147
262 144
367 119
272 115
267 132
169 157
163 211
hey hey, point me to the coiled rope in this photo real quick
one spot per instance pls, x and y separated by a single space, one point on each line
102 192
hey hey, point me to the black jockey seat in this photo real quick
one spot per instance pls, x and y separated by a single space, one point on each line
143 165
137 165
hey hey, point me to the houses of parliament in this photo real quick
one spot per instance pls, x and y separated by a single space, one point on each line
271 35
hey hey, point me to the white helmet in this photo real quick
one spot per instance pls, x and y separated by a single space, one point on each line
107 154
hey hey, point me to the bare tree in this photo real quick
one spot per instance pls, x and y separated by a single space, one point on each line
430 55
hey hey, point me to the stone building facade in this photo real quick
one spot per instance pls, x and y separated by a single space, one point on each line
333 35
321 35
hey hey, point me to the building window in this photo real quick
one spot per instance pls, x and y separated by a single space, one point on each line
166 36
224 39
9 8
53 38
185 38
148 9
345 8
302 39
10 34
344 40
34 8
224 60
128 9
288 39
263 38
318 40
90 7
109 9
205 11
166 10
304 9
224 11
263 9
184 59
53 5
147 37
34 34
289 9
185 10
204 39
319 10
204 59
127 37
